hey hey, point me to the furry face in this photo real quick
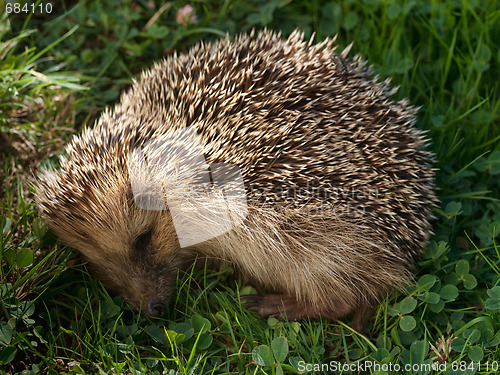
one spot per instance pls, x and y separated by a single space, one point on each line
134 251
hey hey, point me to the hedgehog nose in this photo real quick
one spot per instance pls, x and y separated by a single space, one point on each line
156 309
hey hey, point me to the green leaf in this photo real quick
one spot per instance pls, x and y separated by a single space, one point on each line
225 328
494 160
490 164
408 305
222 316
380 354
458 344
5 224
470 282
481 63
296 326
437 307
279 370
294 362
475 353
200 324
7 354
452 278
10 256
395 309
453 208
487 330
5 334
384 341
494 292
280 348
67 331
448 292
247 290
109 309
484 52
435 250
472 334
418 351
262 355
393 11
407 323
110 349
437 120
204 341
462 267
157 333
350 20
184 329
426 282
273 322
38 331
492 304
124 348
26 308
173 336
495 340
395 336
404 65
24 258
431 297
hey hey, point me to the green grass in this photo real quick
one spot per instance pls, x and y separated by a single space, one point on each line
55 77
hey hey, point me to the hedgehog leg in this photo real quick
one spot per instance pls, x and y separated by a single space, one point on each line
288 307
273 305
360 317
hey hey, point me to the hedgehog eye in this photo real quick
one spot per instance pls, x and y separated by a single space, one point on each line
142 243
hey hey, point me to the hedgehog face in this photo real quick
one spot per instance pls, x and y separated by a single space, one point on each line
142 270
138 260
133 251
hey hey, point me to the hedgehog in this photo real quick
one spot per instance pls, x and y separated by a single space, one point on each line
280 157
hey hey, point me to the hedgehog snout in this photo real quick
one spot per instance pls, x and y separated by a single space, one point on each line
152 288
156 309
153 303
153 296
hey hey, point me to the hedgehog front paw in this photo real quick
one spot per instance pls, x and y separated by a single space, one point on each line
275 305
